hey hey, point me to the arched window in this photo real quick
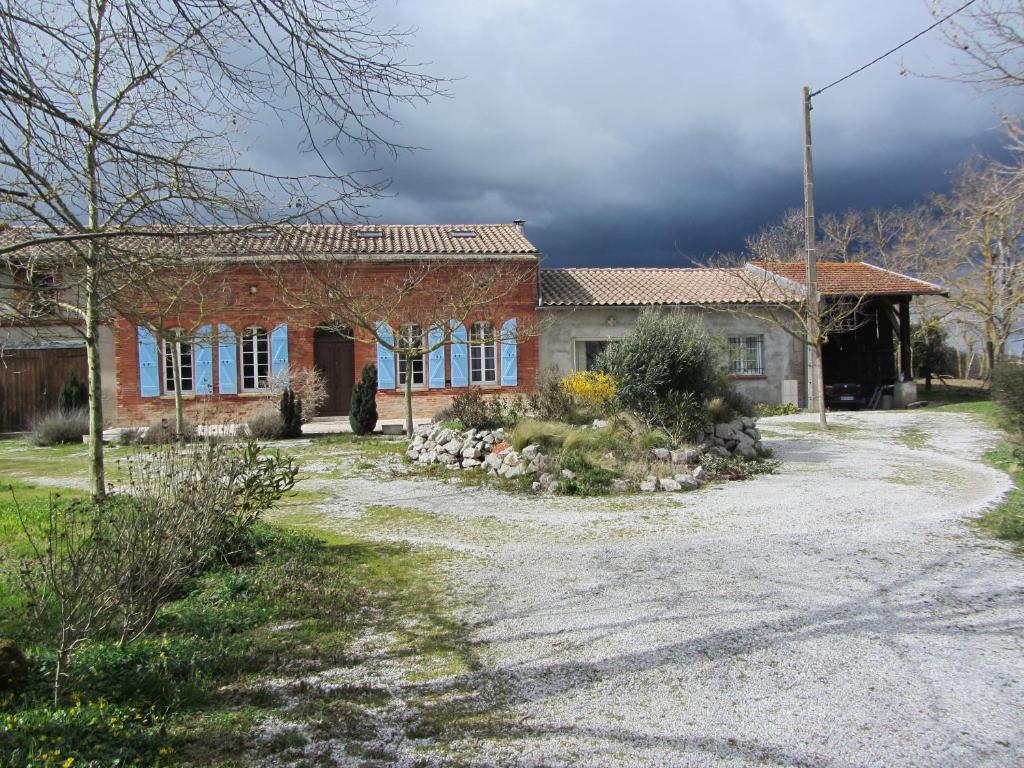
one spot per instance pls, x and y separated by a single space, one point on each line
483 354
186 363
255 359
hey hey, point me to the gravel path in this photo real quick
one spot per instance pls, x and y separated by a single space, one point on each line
838 613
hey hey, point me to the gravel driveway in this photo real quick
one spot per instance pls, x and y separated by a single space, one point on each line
838 613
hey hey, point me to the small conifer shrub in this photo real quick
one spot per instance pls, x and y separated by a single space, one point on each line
362 415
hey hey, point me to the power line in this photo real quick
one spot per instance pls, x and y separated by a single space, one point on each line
901 45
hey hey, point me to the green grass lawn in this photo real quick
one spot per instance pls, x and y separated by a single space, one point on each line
241 646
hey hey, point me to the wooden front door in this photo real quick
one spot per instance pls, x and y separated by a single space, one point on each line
334 355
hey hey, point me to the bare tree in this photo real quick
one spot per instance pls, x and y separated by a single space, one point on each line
172 302
984 269
410 310
119 114
989 37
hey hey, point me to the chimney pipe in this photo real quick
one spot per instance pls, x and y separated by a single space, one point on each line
520 223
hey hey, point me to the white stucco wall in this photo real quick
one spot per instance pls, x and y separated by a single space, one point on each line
783 355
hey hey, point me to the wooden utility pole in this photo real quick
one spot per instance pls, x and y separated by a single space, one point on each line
815 380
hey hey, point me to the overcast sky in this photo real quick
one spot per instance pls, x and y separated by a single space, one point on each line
642 133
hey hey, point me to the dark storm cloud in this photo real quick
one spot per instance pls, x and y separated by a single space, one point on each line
652 132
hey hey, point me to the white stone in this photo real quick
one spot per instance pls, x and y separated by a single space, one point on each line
600 424
536 485
472 452
699 474
668 484
413 454
661 454
530 452
649 485
618 484
568 474
469 463
453 447
552 487
686 482
724 431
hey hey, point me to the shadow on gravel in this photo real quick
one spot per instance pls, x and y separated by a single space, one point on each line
893 614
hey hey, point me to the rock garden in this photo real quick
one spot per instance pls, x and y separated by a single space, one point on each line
641 422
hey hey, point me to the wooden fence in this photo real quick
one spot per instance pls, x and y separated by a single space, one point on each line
30 382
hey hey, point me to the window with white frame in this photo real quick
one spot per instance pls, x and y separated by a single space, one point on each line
483 354
746 355
410 337
186 365
255 359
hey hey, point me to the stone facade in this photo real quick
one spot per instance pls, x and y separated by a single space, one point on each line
565 329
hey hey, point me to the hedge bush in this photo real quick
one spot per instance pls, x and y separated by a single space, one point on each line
1008 392
362 415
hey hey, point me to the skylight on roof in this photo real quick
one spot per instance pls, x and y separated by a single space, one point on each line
369 233
462 233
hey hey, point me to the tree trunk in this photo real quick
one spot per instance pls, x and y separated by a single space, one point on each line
408 395
819 385
179 402
97 481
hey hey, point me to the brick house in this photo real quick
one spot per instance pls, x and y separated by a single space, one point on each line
254 329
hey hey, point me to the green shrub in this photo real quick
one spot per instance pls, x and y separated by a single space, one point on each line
130 436
13 668
59 428
666 370
775 409
265 425
738 403
74 395
362 415
1008 392
291 414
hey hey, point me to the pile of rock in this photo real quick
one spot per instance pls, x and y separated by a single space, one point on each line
475 449
740 437
682 472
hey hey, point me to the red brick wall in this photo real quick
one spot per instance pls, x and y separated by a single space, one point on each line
237 306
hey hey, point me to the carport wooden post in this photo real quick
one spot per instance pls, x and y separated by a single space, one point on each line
906 371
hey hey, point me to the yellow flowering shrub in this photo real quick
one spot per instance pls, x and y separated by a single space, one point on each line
591 387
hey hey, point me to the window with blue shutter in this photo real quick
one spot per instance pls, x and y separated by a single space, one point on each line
204 361
435 361
509 354
385 357
149 364
459 353
279 350
227 360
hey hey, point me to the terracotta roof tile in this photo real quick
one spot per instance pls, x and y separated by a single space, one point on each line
648 287
394 241
855 278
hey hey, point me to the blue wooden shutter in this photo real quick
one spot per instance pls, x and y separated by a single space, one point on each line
227 360
459 355
509 354
149 364
435 360
385 357
203 361
279 350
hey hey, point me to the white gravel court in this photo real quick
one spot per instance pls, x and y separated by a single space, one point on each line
839 613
